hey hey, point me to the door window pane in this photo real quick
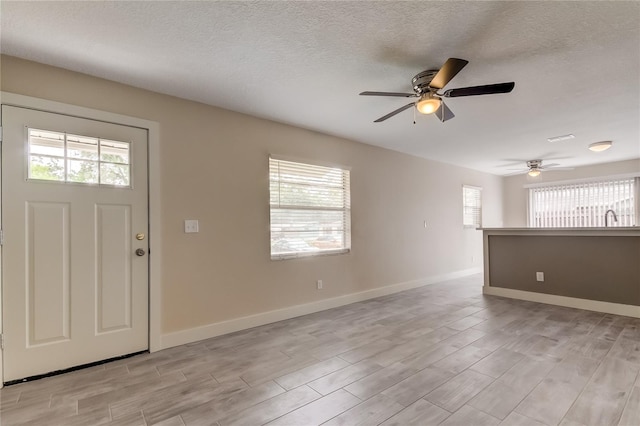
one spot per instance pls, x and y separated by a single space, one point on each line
81 147
114 174
114 152
46 168
62 157
82 171
46 143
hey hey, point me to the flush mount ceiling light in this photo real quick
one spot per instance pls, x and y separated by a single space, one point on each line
600 146
428 104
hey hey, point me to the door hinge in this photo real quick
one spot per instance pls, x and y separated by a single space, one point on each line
1 341
1 237
0 133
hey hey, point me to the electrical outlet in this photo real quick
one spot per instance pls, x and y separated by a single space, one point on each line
540 276
319 284
191 226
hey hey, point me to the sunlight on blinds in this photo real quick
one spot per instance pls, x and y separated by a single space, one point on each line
583 205
471 206
310 209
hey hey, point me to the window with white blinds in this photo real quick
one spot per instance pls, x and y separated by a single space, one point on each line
310 209
471 206
584 204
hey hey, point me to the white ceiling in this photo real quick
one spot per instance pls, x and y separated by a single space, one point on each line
576 66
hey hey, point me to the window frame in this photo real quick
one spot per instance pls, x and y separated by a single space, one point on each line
593 180
345 209
465 206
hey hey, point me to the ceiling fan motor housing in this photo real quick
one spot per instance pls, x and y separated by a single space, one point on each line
422 80
534 164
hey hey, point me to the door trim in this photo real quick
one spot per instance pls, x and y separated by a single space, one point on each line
155 244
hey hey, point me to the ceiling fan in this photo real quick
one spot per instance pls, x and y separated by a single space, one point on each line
426 85
535 167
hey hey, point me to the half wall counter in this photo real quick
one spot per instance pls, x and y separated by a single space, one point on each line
596 269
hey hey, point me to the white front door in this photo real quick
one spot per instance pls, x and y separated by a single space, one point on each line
74 213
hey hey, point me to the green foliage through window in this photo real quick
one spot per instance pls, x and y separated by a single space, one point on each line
56 156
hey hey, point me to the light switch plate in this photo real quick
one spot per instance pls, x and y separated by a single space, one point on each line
190 226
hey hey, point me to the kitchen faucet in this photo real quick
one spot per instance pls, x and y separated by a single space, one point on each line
606 217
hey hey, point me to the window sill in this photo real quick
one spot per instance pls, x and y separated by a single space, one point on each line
286 256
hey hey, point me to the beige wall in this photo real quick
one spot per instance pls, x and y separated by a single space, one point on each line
214 167
515 195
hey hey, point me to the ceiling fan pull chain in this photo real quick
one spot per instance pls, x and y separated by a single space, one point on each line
414 116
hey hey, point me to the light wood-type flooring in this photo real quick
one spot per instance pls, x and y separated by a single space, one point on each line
440 354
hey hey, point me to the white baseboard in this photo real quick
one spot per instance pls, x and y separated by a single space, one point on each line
217 329
569 302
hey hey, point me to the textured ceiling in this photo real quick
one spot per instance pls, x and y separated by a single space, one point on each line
576 66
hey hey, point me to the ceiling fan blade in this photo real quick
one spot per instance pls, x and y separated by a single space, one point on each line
396 94
392 113
444 113
521 172
449 70
488 89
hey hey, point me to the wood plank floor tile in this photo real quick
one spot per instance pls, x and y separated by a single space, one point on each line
466 322
627 349
457 391
417 385
552 398
498 399
497 363
366 351
462 359
272 408
209 411
419 413
319 411
375 383
605 396
137 419
631 413
336 380
311 373
424 359
470 416
110 396
373 411
516 419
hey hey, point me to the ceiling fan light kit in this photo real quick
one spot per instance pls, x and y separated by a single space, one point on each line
427 84
428 104
600 146
534 172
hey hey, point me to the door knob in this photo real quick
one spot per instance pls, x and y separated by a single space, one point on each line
140 252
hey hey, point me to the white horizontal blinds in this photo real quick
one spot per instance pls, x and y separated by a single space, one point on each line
310 208
472 206
583 204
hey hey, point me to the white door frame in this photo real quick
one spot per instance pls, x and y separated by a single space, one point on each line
155 246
